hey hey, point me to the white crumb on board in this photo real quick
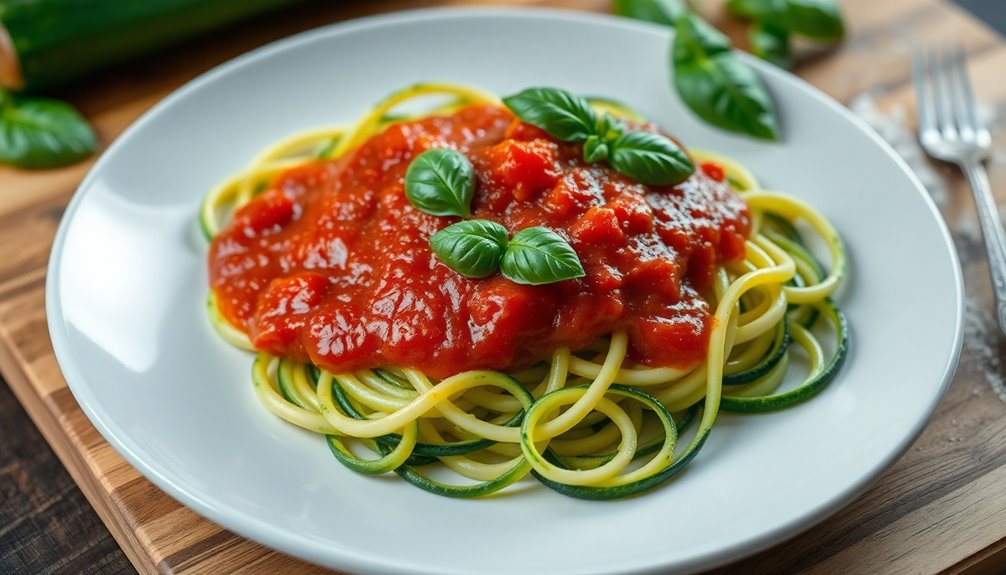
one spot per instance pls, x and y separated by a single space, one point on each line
979 340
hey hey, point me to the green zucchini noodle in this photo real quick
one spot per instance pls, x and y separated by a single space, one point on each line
587 423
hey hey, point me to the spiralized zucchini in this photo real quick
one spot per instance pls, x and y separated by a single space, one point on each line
586 423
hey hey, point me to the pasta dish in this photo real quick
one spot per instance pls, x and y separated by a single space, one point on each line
541 285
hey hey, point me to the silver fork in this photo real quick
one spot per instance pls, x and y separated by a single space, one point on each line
950 130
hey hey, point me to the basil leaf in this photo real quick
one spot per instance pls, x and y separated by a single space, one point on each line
564 116
664 12
441 182
472 248
40 133
815 19
751 8
771 43
694 38
594 150
715 84
538 256
650 159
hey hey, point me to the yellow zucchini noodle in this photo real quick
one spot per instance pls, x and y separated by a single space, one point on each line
587 423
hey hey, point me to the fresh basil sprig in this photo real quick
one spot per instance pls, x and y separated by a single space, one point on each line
711 80
537 256
41 133
652 159
473 248
717 85
774 21
478 248
441 182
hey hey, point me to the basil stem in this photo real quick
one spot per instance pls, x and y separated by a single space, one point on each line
647 157
564 116
441 182
41 133
537 256
472 248
650 159
717 85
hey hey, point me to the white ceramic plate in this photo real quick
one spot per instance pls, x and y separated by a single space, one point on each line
127 283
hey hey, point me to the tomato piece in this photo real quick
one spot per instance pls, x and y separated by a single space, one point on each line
526 167
598 226
713 170
268 213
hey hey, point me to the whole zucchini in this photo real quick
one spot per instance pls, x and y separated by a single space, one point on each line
48 42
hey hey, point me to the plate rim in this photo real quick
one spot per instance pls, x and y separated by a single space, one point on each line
263 532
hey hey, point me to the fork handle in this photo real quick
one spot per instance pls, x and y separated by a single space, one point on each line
992 230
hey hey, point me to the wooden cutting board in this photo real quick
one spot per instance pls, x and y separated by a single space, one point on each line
940 509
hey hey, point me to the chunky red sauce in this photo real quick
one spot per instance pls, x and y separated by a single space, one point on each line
332 264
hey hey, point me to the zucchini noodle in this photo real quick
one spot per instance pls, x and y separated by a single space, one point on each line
586 423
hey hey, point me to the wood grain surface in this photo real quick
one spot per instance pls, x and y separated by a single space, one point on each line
46 525
940 509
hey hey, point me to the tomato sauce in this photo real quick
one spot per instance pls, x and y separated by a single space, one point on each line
331 264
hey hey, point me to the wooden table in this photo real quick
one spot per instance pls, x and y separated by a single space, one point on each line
940 509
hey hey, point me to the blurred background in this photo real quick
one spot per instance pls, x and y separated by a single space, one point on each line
992 11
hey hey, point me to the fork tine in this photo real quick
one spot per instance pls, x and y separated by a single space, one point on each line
968 109
952 62
924 101
942 90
